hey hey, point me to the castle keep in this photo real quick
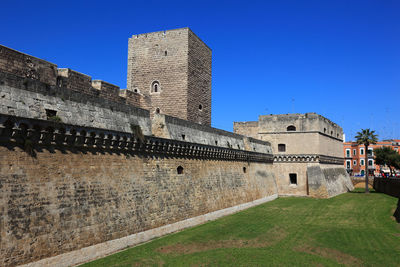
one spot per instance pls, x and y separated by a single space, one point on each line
87 169
172 71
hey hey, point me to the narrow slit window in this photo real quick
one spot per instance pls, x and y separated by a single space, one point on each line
293 178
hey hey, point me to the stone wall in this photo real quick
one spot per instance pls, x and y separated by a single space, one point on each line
22 65
308 122
199 81
178 129
285 187
247 128
326 181
81 109
60 194
181 65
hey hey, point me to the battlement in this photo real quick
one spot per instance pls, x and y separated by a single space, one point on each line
307 122
30 68
161 34
26 66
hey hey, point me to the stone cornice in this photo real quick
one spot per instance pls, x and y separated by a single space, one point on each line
34 132
307 158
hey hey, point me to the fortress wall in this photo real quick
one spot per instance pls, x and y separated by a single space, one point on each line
65 200
21 71
175 128
296 143
328 180
282 171
247 128
73 108
26 66
330 146
308 122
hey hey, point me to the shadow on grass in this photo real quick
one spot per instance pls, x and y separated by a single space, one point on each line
362 191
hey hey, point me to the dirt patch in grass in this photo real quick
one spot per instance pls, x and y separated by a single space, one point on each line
272 237
333 254
148 262
362 185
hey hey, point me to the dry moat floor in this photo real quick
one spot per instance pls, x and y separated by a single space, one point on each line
351 229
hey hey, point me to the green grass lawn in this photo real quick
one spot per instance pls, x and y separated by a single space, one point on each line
351 229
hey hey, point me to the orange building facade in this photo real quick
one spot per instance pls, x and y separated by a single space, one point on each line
354 155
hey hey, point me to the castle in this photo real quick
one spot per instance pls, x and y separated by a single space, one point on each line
88 169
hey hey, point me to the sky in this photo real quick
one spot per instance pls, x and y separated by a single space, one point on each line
340 59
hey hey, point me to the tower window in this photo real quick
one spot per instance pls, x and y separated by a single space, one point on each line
281 147
158 110
200 107
165 53
244 169
291 128
155 87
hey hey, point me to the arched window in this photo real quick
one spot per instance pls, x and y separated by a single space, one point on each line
200 107
291 128
155 87
157 110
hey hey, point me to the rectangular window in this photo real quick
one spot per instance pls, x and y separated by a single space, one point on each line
362 162
347 153
293 178
361 151
354 152
348 164
370 162
281 147
370 152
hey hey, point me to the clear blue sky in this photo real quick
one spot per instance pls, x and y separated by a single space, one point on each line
338 58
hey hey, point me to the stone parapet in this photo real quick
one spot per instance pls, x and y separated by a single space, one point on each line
30 132
24 70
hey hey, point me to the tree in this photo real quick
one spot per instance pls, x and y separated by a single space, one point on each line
366 137
387 156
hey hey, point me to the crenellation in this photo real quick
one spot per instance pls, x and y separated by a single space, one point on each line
26 66
107 90
75 80
85 164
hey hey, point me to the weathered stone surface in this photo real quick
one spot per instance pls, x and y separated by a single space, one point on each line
62 201
181 63
326 181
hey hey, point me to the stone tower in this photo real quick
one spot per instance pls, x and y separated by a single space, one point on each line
172 70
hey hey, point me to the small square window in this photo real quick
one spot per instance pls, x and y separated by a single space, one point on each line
281 147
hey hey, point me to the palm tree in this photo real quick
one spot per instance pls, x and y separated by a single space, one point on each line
366 137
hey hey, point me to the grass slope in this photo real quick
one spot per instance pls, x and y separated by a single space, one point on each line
351 229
